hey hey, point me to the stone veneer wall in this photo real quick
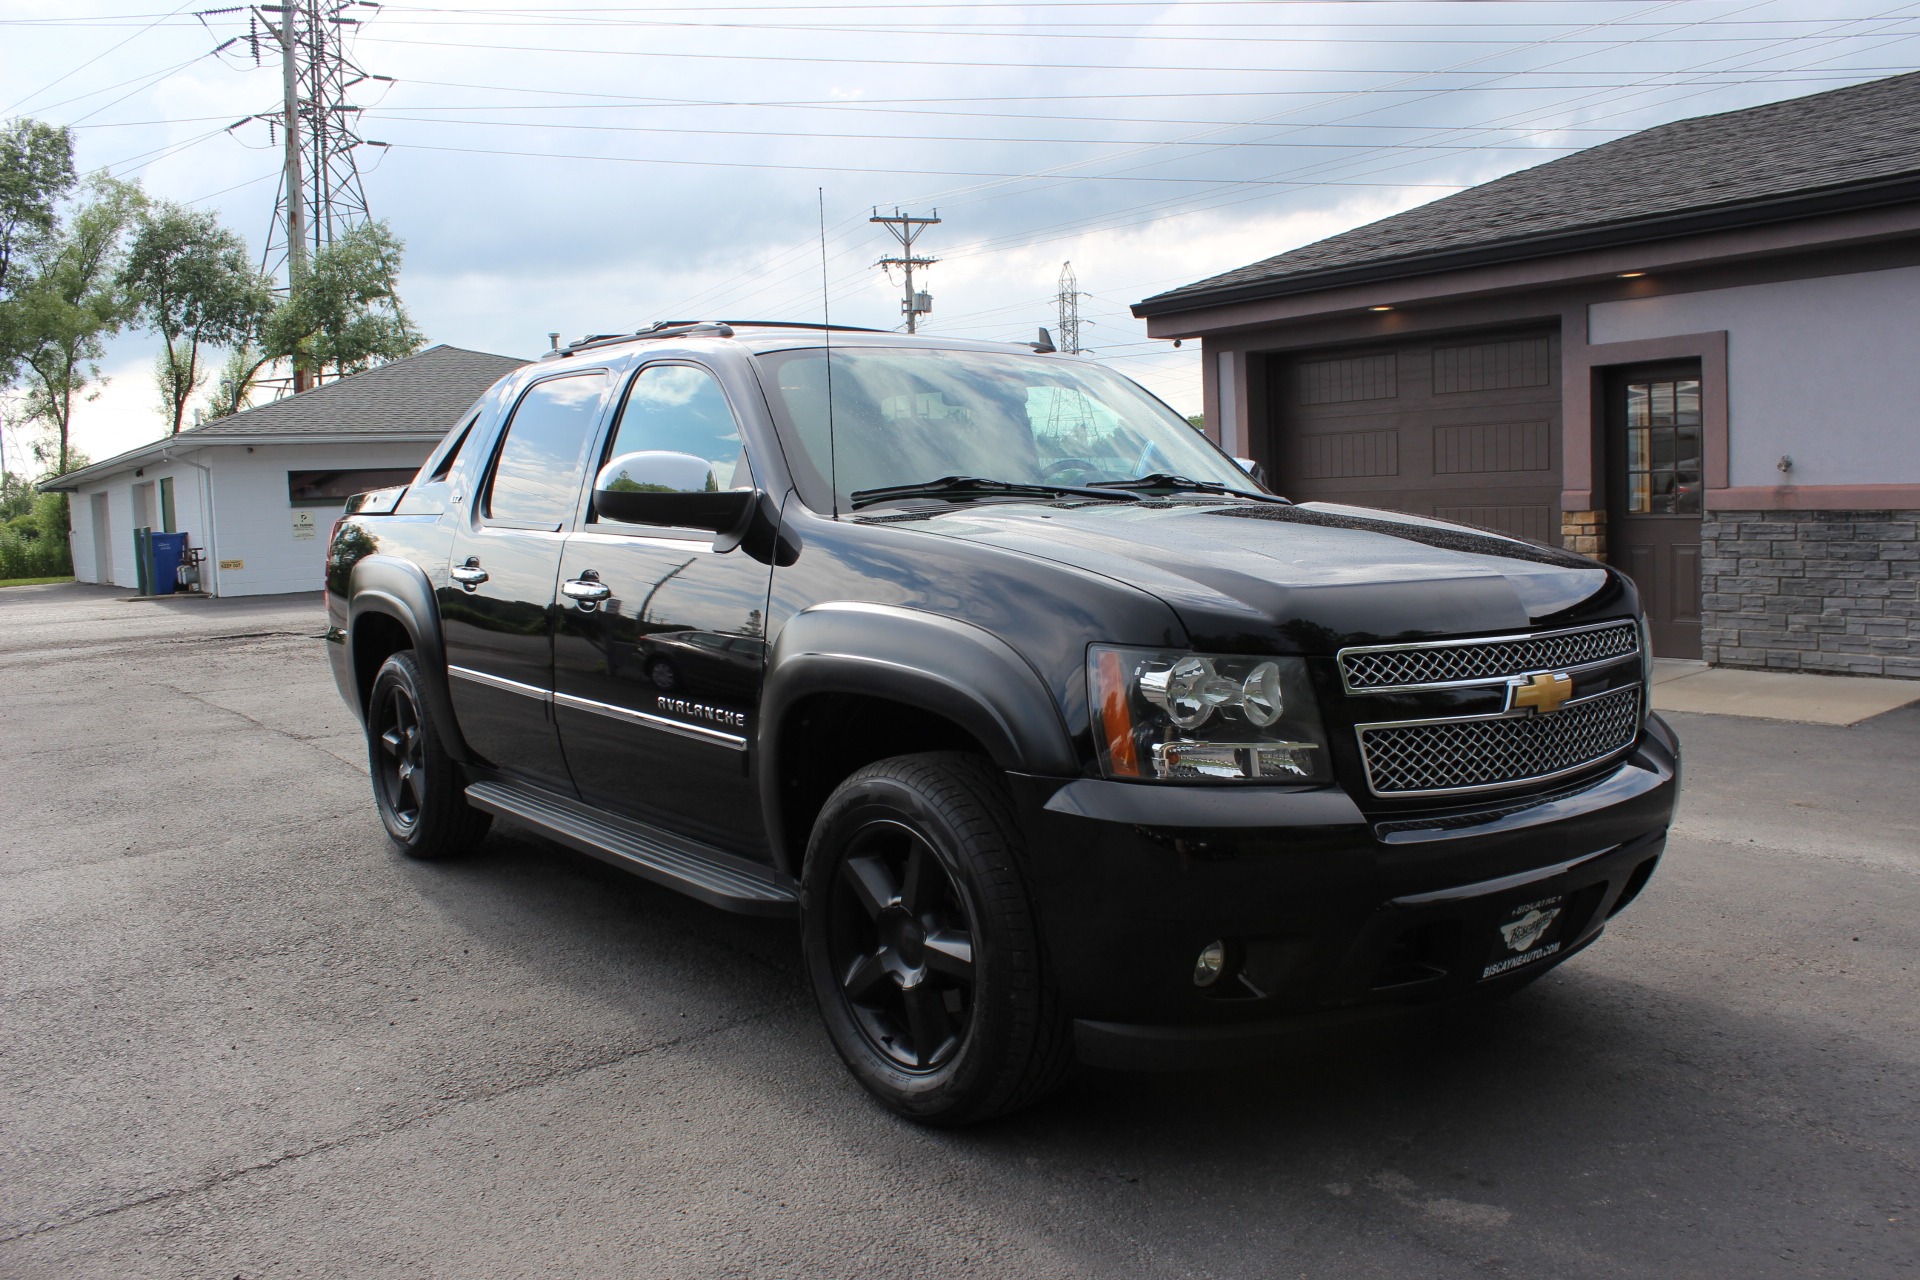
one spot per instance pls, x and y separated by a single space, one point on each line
1585 532
1832 591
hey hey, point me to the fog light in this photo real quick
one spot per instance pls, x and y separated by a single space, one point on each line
1211 964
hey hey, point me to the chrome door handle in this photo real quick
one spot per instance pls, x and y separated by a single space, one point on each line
469 576
585 591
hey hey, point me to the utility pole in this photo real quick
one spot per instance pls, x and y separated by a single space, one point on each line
906 229
293 184
320 194
1068 300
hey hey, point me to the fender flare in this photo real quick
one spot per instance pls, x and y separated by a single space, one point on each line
401 589
938 664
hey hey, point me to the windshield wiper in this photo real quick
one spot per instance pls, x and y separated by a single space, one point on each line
1170 483
971 486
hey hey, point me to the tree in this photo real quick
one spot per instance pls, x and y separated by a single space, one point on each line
192 284
233 389
36 170
72 304
345 312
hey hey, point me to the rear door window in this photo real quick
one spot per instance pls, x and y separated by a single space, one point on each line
542 460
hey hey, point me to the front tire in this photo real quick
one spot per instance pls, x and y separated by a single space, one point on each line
416 784
922 946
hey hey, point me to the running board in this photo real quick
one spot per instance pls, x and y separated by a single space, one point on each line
698 870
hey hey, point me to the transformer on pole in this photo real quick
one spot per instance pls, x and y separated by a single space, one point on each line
906 229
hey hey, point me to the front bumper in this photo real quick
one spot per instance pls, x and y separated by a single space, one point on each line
1330 916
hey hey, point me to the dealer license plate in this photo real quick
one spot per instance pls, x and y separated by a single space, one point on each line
1529 934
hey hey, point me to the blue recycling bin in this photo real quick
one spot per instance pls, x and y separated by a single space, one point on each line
168 550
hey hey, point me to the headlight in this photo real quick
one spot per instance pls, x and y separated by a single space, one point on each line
1191 717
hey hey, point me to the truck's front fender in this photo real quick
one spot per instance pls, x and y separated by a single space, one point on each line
400 589
922 660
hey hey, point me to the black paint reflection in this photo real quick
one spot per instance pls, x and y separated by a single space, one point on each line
503 628
681 642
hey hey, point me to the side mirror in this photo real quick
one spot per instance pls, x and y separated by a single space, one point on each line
1253 469
673 489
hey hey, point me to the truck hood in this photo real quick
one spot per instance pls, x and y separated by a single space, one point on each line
1306 578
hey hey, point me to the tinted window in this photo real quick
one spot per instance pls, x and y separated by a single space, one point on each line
681 409
444 467
539 473
907 415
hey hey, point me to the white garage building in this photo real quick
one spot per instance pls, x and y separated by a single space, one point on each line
258 492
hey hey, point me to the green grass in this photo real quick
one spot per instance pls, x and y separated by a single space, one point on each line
33 582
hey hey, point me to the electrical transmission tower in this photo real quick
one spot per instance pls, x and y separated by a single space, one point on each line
1069 303
320 195
906 230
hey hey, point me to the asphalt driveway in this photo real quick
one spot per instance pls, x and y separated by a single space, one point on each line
239 1036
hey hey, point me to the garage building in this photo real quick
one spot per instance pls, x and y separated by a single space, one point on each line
1693 351
258 492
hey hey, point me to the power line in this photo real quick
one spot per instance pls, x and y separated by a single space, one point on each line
1065 171
19 102
1107 220
1134 68
934 173
546 16
1056 30
921 139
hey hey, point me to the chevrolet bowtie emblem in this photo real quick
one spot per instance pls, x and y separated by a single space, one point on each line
1544 691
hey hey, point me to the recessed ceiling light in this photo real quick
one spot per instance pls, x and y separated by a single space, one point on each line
1631 275
1381 307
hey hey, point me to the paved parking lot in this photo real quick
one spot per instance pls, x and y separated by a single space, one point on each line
241 1037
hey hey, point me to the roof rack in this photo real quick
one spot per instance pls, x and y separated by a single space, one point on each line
800 324
692 328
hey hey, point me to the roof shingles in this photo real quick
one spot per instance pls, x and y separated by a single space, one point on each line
421 393
415 398
1860 134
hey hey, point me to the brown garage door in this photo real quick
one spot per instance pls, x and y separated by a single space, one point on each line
1458 428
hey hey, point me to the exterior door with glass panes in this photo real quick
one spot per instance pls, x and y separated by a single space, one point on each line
1655 479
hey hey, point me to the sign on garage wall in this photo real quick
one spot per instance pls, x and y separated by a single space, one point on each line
303 525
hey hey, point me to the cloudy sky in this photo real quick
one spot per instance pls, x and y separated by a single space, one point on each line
594 168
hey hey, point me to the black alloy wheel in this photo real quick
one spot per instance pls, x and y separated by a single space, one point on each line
402 774
417 786
920 941
901 938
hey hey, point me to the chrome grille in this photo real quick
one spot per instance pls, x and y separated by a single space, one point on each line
1434 756
1373 670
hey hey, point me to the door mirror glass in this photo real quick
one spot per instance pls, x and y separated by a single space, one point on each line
662 487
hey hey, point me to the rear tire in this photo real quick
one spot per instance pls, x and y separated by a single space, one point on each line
416 785
921 943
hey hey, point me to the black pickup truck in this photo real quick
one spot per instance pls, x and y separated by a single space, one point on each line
1062 737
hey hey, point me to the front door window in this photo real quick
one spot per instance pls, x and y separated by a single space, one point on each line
1663 447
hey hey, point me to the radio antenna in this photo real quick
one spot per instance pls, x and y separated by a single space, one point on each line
826 333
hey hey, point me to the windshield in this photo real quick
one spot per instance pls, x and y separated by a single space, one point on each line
907 415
